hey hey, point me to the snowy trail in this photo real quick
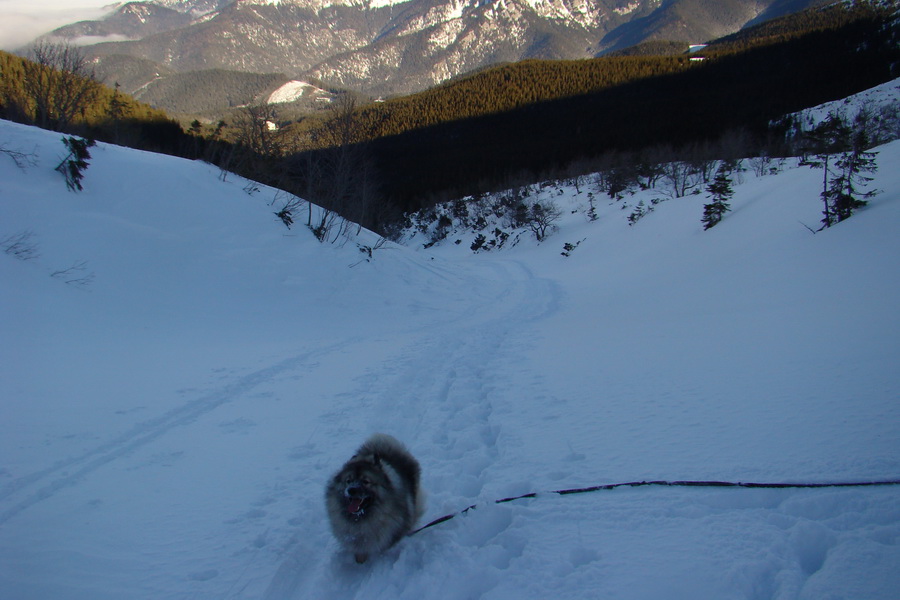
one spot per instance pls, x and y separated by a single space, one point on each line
447 415
71 470
384 378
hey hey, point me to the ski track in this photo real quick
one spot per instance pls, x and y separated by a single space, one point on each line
446 416
73 470
450 412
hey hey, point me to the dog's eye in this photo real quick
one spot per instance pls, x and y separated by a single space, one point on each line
366 481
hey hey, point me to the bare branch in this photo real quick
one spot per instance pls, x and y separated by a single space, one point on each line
76 275
23 160
21 245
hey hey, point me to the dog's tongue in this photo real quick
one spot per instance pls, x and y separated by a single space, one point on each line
355 504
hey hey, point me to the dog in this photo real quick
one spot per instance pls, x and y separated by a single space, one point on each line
374 500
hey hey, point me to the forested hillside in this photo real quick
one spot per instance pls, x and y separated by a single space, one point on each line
794 25
60 91
734 93
509 87
207 91
515 85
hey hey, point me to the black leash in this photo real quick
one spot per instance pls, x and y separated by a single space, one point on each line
612 486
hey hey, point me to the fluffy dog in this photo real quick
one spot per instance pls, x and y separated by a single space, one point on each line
374 500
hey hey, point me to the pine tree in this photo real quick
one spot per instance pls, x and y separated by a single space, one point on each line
842 185
829 137
116 111
721 192
73 165
847 194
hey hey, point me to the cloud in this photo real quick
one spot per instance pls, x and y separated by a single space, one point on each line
87 40
22 21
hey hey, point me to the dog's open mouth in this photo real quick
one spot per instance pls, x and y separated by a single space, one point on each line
358 499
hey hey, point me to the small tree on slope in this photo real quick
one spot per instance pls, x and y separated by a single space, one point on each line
827 138
541 218
846 192
721 192
73 165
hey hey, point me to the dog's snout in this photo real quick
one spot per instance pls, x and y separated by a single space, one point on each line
355 490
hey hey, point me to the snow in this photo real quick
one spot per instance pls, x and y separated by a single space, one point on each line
171 414
881 102
293 90
381 3
319 4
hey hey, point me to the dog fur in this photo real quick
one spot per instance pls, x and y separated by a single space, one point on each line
374 500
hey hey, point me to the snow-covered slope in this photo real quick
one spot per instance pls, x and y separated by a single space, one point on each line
180 374
295 90
880 104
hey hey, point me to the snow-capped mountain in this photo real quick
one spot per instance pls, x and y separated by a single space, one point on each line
134 20
390 46
195 7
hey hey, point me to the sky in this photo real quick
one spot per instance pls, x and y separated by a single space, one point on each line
22 21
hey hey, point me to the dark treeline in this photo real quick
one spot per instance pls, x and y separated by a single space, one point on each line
508 87
792 26
653 48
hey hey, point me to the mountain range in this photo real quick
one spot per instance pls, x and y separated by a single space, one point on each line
387 47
